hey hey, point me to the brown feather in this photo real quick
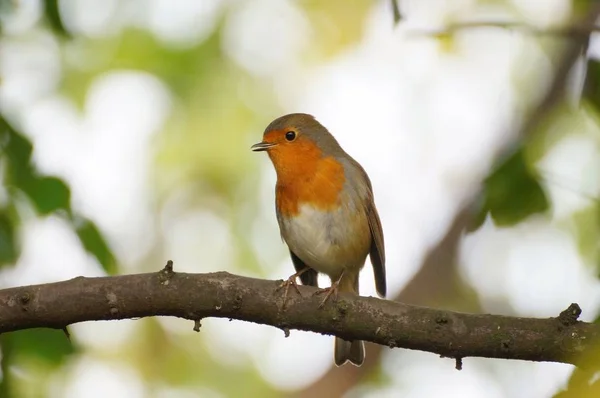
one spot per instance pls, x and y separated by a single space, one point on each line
377 252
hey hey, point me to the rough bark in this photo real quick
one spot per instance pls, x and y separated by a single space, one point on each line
393 324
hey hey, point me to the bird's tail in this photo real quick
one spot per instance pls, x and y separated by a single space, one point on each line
349 351
352 351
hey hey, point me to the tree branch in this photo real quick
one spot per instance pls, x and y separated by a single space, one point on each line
223 295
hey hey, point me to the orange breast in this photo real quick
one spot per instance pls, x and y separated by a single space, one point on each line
304 175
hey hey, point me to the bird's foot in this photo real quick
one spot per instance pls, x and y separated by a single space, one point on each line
291 281
329 291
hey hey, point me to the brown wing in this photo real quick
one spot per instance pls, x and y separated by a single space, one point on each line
377 252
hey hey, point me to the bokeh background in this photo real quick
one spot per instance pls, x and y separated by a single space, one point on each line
125 134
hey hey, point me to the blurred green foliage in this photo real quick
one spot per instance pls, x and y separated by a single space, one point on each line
186 362
49 345
182 69
93 241
44 349
584 382
51 10
586 229
335 25
512 193
47 194
9 249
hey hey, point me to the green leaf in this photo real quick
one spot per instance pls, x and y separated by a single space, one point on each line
52 13
9 248
93 241
591 85
48 194
587 231
48 345
18 150
511 193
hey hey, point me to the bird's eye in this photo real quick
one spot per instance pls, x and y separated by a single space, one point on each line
290 136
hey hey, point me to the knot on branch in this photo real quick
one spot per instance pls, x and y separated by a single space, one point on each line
569 316
459 364
197 324
166 273
25 298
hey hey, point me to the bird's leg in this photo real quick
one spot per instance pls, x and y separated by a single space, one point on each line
333 289
291 281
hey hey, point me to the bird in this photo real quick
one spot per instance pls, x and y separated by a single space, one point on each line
326 213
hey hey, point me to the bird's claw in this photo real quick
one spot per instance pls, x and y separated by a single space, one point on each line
286 284
328 291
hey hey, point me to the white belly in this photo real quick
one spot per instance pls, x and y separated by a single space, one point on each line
329 242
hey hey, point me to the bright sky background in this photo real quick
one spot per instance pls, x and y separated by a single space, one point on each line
424 121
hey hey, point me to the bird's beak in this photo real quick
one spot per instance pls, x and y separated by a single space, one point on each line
262 146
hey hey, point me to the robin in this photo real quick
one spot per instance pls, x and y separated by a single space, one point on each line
326 213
